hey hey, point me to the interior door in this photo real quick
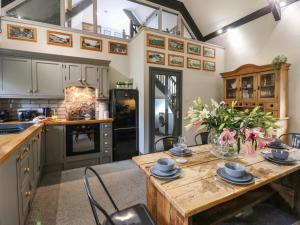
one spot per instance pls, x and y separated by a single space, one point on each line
165 104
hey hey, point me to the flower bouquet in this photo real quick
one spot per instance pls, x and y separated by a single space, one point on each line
230 128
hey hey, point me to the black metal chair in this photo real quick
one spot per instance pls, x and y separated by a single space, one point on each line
137 214
295 139
167 142
204 138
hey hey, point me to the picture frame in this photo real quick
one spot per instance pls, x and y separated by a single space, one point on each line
155 57
209 52
156 41
117 48
193 63
89 43
194 49
176 60
21 33
59 38
209 66
175 45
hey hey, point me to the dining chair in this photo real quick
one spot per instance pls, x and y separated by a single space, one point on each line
295 139
167 142
137 214
203 137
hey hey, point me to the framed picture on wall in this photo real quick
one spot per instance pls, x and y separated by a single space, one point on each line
21 33
193 49
59 38
156 41
176 60
193 63
175 45
155 57
117 48
209 52
89 43
209 65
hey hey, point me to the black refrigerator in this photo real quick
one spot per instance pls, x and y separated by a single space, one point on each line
124 111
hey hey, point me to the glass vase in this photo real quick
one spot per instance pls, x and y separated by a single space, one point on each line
224 151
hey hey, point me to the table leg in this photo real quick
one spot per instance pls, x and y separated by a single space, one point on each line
162 212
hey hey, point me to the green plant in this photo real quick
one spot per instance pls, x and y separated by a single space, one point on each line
278 60
232 124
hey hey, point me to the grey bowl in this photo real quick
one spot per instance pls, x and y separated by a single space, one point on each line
234 169
280 154
165 164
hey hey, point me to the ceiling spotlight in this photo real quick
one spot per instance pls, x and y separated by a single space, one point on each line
220 31
282 4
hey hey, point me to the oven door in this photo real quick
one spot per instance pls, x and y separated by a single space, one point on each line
82 139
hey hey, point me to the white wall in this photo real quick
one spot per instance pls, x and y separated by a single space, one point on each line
118 70
260 41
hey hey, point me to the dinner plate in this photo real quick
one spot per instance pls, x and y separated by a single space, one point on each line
154 169
288 161
174 176
175 152
246 178
234 182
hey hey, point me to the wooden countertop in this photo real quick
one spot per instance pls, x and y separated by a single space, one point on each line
9 143
74 122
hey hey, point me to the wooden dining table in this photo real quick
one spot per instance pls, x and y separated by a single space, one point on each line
199 196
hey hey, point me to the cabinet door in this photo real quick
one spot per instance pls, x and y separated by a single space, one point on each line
90 75
55 146
248 88
47 79
267 87
16 79
103 84
72 74
231 89
9 205
36 151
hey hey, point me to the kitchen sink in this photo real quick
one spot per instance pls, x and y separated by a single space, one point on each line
14 128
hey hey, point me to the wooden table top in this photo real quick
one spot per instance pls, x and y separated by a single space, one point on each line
199 187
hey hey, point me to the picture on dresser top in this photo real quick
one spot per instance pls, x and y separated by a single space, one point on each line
89 43
59 38
80 103
21 33
117 48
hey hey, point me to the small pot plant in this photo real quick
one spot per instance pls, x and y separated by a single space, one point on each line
278 61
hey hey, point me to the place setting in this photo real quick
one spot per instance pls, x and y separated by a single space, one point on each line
279 153
165 168
235 173
181 149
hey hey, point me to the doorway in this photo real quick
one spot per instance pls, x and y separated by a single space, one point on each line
165 105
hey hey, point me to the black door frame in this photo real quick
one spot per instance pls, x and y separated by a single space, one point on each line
152 102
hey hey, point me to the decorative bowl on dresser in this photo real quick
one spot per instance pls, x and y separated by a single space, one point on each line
251 85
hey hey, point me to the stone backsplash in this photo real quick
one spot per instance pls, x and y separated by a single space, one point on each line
13 105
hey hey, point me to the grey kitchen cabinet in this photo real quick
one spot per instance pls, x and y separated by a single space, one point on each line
90 75
47 79
37 157
16 77
103 84
55 146
72 74
9 205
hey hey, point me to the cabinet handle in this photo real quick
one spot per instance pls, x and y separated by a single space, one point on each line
27 193
106 151
29 91
105 134
19 158
271 105
26 170
105 142
25 150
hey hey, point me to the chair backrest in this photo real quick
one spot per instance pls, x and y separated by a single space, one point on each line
167 142
94 204
204 138
295 139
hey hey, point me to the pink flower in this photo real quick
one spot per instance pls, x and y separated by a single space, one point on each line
197 122
226 136
262 142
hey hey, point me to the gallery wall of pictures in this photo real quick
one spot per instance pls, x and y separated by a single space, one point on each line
63 39
175 52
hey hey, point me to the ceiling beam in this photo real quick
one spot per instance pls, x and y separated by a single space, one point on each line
180 7
275 9
78 8
253 16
